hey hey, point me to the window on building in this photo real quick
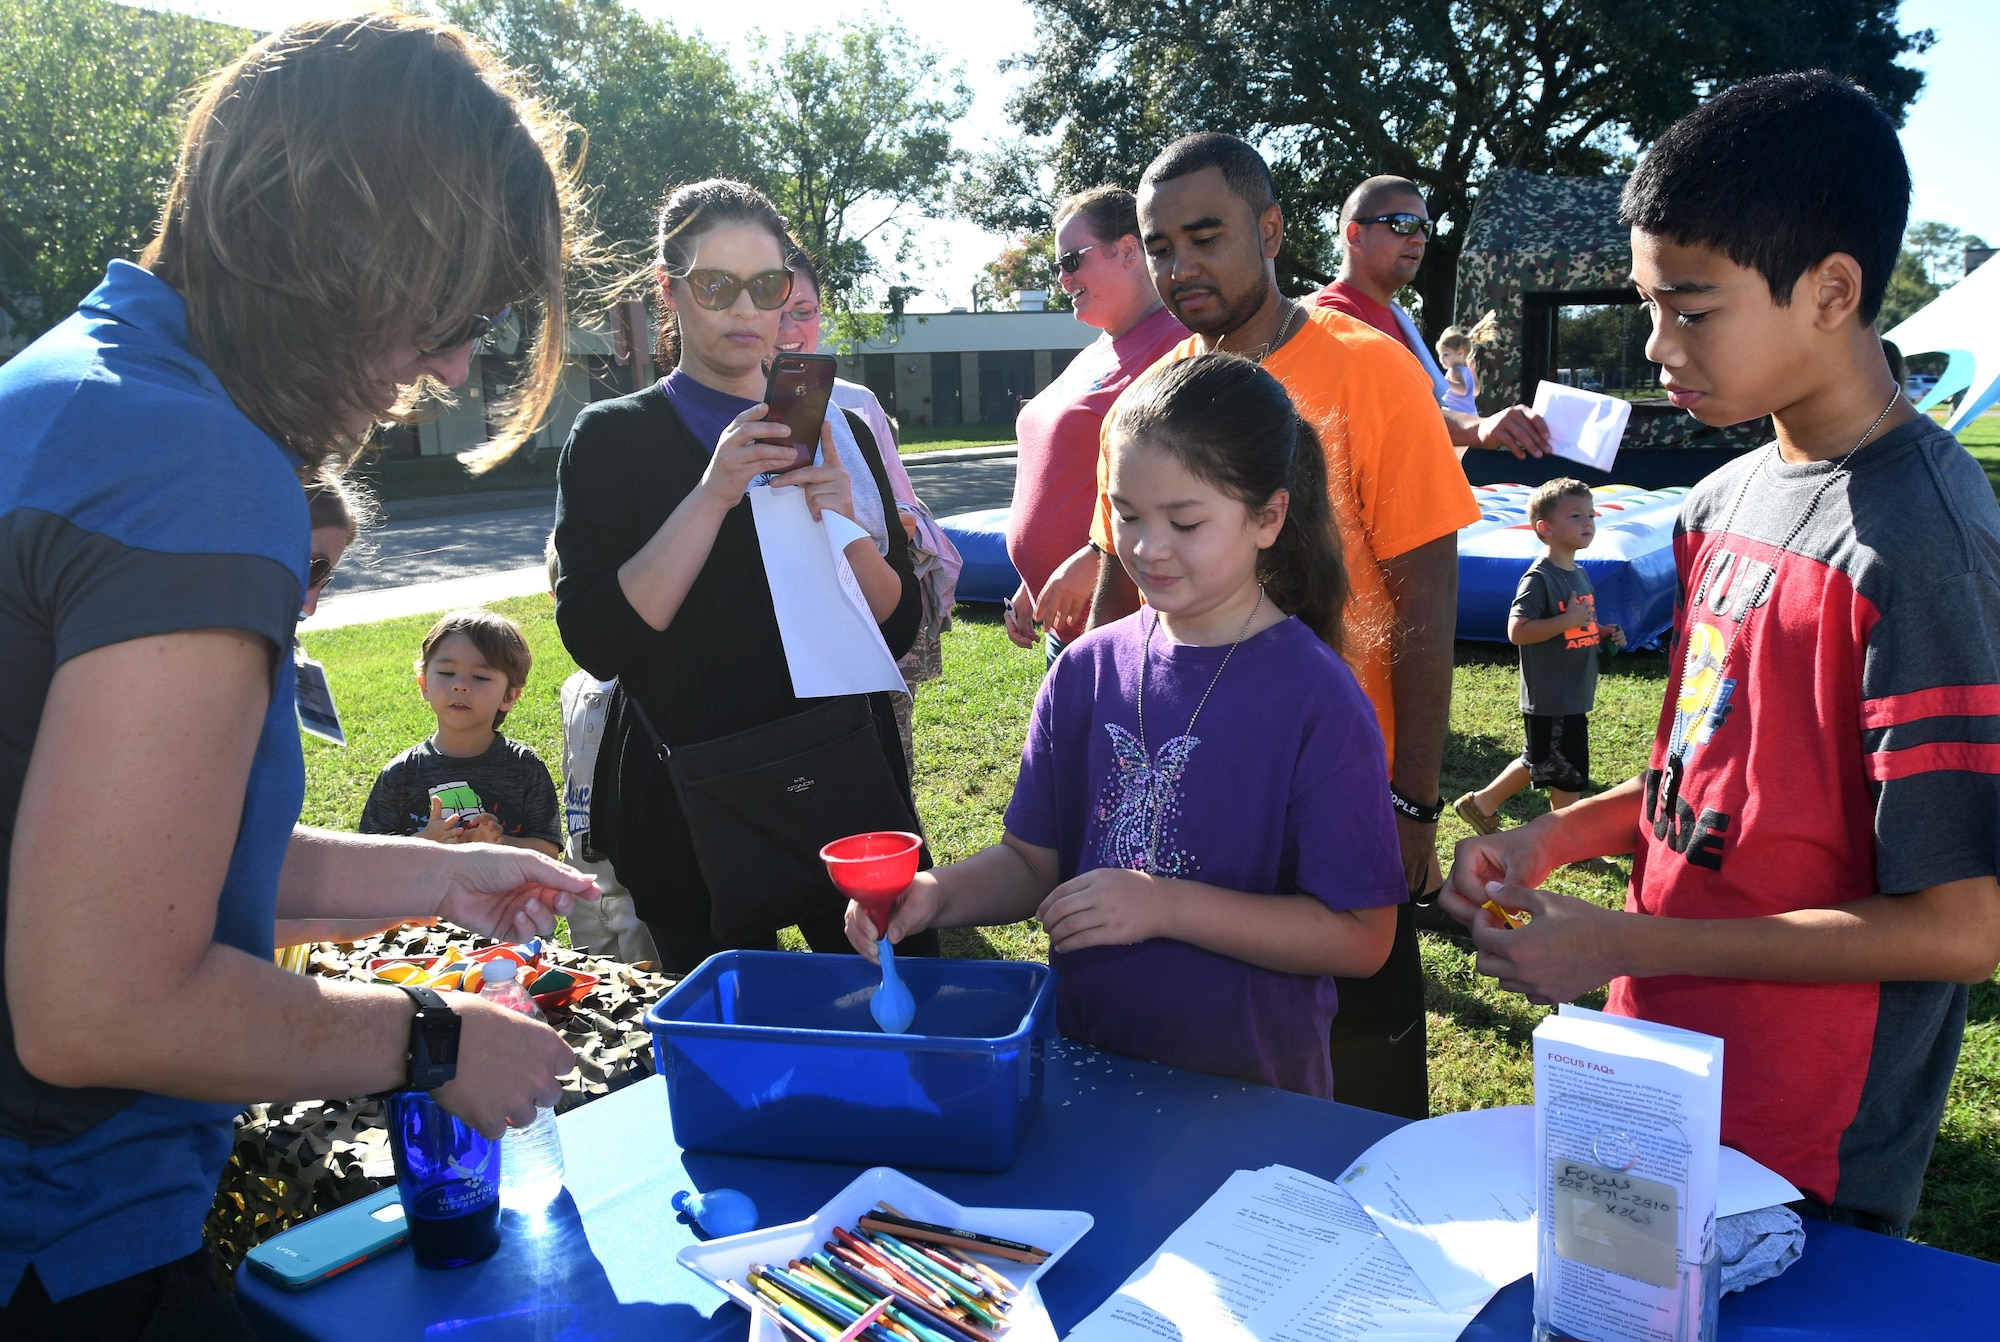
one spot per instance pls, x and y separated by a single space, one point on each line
879 373
1006 378
946 399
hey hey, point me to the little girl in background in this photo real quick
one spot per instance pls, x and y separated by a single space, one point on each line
1202 817
1462 380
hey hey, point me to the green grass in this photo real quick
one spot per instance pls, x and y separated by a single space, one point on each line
934 437
969 728
1982 440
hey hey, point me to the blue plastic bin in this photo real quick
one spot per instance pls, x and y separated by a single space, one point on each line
771 1053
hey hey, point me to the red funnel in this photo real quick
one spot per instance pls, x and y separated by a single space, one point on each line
872 869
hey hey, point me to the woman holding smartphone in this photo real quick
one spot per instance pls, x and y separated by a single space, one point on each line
662 581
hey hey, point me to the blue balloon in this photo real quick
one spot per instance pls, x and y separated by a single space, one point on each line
719 1212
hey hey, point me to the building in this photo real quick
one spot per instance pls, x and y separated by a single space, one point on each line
965 367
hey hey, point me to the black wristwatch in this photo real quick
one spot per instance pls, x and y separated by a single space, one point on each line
1423 815
433 1055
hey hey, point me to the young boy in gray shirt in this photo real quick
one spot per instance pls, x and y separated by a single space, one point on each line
1554 623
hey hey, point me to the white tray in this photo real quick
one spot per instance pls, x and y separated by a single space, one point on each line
729 1259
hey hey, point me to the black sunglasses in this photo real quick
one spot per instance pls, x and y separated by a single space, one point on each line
1404 224
1069 262
320 574
475 327
716 290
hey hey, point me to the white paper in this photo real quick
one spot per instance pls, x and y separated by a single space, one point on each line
1628 1119
1275 1255
1584 426
1456 1196
832 643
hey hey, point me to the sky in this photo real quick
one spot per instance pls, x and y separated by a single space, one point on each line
1954 165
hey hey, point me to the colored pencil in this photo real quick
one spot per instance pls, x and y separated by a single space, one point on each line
965 1242
927 1320
899 1317
757 1305
861 1325
983 1242
821 1330
873 1253
972 1280
824 1302
932 1273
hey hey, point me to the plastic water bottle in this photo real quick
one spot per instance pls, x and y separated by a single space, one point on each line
531 1171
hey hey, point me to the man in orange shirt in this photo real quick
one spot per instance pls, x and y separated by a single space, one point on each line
1211 225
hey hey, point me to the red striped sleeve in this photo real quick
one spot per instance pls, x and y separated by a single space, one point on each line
1955 756
1939 702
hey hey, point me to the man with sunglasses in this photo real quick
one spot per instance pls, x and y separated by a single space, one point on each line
1384 227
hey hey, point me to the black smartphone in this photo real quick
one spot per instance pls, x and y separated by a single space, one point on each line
797 391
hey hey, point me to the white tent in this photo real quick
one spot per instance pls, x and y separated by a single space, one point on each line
1964 322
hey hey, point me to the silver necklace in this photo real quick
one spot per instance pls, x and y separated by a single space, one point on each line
1145 654
1677 752
1263 352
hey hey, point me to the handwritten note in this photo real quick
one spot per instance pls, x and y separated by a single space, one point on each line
1617 1221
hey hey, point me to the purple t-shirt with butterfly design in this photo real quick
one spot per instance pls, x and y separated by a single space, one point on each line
1280 788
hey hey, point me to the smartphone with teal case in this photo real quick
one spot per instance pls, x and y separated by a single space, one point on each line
329 1244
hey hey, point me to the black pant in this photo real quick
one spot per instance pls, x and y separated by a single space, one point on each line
175 1301
1378 1041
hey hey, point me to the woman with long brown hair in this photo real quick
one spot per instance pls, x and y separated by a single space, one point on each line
662 581
355 201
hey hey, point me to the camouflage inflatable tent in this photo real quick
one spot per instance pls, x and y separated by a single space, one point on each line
1537 244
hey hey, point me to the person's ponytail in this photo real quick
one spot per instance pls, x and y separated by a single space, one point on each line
1229 422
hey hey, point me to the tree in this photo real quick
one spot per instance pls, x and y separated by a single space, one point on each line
659 108
854 137
1940 250
1440 91
92 97
1027 264
1932 260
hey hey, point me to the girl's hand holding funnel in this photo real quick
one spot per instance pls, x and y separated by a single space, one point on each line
872 870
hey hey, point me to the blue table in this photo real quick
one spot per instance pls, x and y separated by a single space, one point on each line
1136 1145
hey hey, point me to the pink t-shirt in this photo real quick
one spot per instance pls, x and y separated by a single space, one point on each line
1055 481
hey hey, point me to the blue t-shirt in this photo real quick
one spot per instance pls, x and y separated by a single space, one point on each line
136 499
1281 788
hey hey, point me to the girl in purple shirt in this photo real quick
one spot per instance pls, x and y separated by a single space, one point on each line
1202 818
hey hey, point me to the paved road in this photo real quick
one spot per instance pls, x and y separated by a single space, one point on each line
400 554
949 487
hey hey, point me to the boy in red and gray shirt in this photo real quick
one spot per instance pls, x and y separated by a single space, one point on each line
1817 834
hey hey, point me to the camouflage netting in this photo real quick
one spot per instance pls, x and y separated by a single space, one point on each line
294 1161
1532 234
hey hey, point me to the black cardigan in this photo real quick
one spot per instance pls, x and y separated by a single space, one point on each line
720 666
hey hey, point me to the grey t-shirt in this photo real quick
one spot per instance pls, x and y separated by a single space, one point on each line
1558 675
509 782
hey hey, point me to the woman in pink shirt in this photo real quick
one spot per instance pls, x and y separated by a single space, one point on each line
1102 268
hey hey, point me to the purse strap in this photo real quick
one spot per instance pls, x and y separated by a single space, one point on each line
661 750
871 452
